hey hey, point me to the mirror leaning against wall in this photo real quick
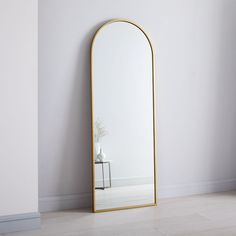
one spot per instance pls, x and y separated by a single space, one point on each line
123 117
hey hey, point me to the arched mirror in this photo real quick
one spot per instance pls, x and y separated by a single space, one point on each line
123 117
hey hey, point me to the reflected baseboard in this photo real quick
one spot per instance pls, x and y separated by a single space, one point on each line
120 182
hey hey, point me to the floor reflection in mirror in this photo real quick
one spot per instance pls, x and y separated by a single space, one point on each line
124 196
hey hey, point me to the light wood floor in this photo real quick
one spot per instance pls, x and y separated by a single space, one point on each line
201 215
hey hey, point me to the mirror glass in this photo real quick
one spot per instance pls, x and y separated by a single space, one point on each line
123 117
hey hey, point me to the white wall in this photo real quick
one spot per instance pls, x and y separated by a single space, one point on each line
196 112
18 105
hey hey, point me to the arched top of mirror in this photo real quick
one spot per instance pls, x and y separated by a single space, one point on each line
119 27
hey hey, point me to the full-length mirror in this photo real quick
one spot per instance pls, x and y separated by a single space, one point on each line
123 117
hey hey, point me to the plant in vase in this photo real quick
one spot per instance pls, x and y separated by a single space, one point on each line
99 133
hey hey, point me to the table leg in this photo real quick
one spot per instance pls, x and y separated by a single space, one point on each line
103 178
109 173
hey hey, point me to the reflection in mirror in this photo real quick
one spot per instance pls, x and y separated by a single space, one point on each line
123 117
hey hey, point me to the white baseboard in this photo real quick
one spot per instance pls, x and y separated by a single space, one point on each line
181 190
19 222
65 202
84 200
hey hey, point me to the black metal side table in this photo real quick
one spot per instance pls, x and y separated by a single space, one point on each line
103 177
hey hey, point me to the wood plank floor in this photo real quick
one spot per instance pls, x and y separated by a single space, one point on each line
200 215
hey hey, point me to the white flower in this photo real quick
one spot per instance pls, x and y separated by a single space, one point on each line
100 130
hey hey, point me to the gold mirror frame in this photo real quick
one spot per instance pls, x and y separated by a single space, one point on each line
92 119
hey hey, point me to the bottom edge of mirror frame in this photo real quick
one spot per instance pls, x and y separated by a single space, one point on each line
94 210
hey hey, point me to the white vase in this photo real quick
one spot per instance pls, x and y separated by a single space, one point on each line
101 155
97 148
